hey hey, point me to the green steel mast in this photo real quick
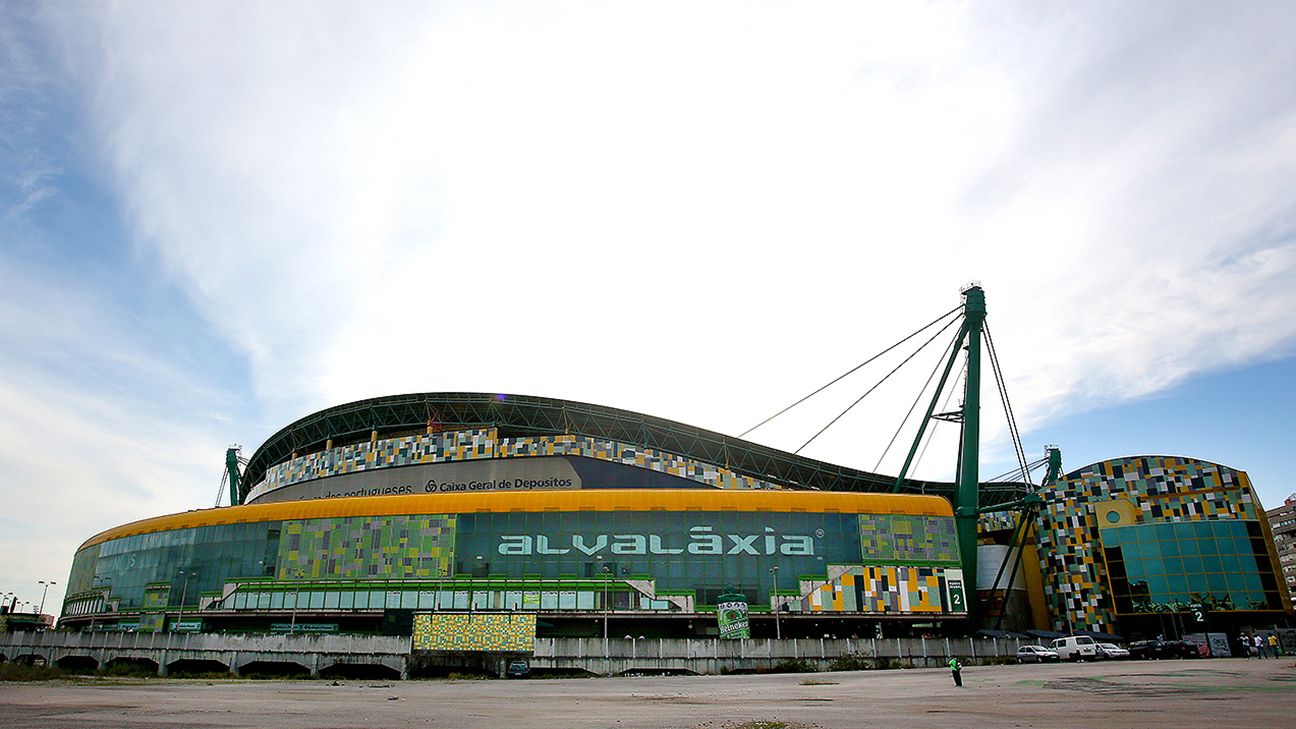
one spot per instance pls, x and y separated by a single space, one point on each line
232 471
965 510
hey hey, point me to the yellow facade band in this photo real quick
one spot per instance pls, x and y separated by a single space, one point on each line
529 501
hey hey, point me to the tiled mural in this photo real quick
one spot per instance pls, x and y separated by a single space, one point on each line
881 589
485 443
364 547
906 539
1161 489
474 632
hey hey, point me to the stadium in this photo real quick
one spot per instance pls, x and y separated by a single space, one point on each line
354 518
543 518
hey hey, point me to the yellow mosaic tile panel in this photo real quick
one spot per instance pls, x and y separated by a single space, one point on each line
474 632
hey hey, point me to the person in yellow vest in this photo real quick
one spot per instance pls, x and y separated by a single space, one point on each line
1274 648
956 669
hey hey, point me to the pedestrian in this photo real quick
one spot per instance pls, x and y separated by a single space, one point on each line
1274 647
956 669
1259 646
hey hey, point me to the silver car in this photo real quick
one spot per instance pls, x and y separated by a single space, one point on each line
1036 654
1111 651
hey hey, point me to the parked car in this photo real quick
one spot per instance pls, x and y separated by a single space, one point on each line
1146 649
1112 652
1149 649
1036 654
1183 649
1076 648
518 669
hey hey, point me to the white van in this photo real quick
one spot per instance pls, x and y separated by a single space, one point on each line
1076 648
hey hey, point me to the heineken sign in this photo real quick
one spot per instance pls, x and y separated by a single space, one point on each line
731 615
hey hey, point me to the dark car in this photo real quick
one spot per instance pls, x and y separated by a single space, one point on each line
1146 649
518 669
1182 649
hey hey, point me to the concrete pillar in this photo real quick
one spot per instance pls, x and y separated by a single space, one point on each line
314 667
233 664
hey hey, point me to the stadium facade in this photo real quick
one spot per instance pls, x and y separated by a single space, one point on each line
1159 545
587 520
355 518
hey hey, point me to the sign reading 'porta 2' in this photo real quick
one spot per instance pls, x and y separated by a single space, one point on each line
701 540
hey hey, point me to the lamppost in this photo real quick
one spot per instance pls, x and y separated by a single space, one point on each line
292 624
607 577
778 629
44 592
634 646
184 590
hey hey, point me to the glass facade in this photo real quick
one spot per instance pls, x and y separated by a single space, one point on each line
1223 564
193 561
550 560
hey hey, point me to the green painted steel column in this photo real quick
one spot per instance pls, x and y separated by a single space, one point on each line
1054 471
232 469
969 487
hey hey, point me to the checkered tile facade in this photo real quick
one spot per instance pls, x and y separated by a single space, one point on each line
383 547
906 539
474 632
485 443
1164 488
879 589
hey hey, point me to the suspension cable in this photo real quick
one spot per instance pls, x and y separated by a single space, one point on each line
921 347
221 491
927 439
1008 411
851 371
1017 471
944 353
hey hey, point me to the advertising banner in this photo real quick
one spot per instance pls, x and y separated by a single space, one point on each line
731 614
1219 645
516 474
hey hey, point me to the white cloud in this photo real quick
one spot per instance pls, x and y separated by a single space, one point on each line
704 212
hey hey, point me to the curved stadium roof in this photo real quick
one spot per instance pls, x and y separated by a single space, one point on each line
525 415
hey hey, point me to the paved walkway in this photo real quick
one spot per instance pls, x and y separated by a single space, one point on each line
1221 692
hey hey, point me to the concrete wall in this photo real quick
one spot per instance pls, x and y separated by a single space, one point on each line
313 652
615 656
711 656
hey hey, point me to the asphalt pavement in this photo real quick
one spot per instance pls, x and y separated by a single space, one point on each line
1218 693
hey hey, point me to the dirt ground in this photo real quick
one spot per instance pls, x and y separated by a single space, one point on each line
1221 692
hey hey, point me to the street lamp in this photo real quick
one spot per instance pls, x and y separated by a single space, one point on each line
778 629
292 625
607 576
184 590
44 592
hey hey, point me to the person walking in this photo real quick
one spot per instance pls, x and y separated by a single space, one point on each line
1274 647
1259 646
956 670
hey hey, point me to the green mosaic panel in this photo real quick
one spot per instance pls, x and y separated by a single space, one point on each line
367 547
474 632
151 623
900 538
158 596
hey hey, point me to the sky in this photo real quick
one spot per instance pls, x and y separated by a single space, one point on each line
217 217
